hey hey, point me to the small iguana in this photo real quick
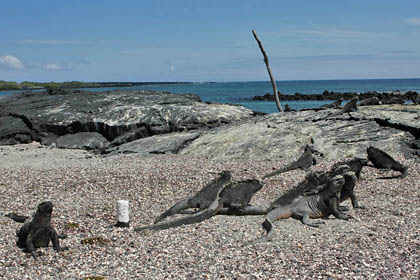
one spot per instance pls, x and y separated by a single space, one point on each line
382 160
305 161
350 106
38 232
347 191
333 105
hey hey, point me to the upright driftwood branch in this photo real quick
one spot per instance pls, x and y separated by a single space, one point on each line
273 82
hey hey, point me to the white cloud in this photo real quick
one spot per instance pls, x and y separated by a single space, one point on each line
50 42
10 62
172 68
53 67
332 32
412 21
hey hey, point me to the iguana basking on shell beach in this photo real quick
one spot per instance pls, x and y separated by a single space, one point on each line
220 195
382 160
38 232
207 200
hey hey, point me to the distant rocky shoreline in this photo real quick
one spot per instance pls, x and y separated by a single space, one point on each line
395 97
7 86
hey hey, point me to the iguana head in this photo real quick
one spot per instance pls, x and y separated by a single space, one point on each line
371 151
334 187
45 208
341 169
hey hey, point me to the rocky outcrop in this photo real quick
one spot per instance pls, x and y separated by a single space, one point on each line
394 128
145 123
60 116
170 143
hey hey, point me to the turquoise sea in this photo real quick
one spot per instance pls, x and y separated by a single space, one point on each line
241 92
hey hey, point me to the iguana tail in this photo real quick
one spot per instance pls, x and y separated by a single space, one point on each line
268 226
277 172
17 218
194 218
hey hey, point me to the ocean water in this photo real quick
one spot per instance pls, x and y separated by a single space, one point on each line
241 92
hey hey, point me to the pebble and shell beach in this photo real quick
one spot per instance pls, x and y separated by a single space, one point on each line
381 242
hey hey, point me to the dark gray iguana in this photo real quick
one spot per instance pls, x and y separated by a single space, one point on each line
305 161
382 160
356 165
317 196
220 195
349 107
334 105
38 232
207 200
347 191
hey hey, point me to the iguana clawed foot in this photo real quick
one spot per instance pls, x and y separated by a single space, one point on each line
343 208
312 223
36 254
61 249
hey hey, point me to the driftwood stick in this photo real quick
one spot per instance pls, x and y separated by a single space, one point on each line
273 82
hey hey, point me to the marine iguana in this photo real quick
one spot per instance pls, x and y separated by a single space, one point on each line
207 200
347 191
38 232
316 197
382 160
370 101
305 161
356 165
334 105
287 108
239 194
350 106
219 195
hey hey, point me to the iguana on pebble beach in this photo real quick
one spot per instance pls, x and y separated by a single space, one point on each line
38 232
382 160
220 195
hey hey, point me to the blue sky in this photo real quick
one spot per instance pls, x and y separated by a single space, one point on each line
208 40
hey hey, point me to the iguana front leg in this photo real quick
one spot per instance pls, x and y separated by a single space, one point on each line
307 221
355 202
336 213
343 208
30 247
54 239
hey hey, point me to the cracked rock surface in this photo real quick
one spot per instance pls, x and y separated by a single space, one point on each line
393 128
118 116
121 122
